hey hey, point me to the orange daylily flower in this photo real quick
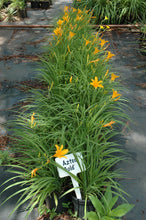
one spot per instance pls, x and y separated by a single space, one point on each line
71 26
59 22
79 11
65 8
93 17
110 55
48 161
113 76
58 31
87 42
96 50
109 124
74 9
106 73
116 94
70 80
32 120
65 18
33 172
78 18
60 152
68 48
71 34
95 83
94 61
102 42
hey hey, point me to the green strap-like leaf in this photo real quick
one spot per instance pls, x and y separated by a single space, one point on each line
97 204
121 210
92 216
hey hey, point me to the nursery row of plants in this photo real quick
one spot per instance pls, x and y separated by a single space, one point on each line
81 112
11 8
117 11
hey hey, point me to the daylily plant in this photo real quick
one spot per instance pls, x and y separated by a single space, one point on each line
76 109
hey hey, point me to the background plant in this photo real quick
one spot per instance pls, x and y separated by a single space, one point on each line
117 11
106 207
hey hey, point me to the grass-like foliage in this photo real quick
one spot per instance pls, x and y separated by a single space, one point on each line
117 11
81 111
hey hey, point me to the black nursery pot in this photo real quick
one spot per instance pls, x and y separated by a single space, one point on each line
45 5
142 44
6 4
22 13
50 203
79 206
35 4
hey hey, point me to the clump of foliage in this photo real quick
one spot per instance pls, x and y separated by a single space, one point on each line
10 9
117 11
81 111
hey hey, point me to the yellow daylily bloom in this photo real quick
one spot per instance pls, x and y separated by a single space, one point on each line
71 34
113 76
107 27
60 152
95 83
106 18
115 95
101 27
33 172
109 124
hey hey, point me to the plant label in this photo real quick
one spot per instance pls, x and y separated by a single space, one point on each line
73 164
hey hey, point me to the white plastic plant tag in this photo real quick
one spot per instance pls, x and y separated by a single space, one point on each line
71 164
